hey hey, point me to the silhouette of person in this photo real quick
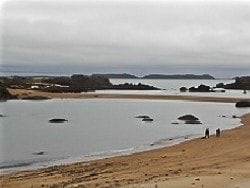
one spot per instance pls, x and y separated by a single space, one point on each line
218 132
207 133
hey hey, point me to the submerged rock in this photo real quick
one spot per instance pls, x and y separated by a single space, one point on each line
148 119
57 120
192 122
190 119
142 116
39 153
242 104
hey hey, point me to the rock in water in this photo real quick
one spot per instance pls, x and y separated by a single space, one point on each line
57 120
242 104
188 117
148 119
142 116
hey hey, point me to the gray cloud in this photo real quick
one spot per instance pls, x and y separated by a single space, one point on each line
126 35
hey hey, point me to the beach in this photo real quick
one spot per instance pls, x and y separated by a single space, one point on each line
213 162
22 93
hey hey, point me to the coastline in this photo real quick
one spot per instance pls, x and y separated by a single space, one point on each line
213 162
23 93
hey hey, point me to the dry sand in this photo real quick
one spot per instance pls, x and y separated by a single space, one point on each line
209 163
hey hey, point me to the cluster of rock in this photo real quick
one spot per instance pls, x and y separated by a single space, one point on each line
130 86
145 118
200 88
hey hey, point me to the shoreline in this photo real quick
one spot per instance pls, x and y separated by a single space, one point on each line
223 161
23 93
199 162
212 162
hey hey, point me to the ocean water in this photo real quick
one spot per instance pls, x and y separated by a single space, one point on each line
99 128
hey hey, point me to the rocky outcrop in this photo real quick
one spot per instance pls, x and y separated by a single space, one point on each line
139 86
242 104
190 119
200 88
242 83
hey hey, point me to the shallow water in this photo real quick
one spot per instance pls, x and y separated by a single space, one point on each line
98 128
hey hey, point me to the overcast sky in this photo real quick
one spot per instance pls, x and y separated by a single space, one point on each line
137 37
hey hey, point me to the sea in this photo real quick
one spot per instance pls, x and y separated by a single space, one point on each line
101 128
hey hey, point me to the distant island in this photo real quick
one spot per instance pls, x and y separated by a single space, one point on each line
122 76
159 76
179 76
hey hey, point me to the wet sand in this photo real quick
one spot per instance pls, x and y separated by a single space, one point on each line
210 163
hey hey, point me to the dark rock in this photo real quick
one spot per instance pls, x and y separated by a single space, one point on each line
4 93
192 122
183 89
240 83
39 153
142 116
129 86
57 120
175 123
148 119
201 88
188 117
242 104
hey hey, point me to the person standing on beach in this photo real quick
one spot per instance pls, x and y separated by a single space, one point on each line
217 132
207 133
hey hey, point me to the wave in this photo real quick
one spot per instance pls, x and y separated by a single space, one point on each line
27 164
173 140
110 152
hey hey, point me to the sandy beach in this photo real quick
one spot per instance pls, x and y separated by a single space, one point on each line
21 93
214 162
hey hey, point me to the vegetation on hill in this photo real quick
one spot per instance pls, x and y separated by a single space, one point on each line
4 93
74 83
